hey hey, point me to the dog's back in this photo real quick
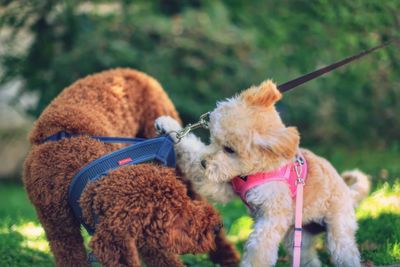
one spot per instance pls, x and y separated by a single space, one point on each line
120 102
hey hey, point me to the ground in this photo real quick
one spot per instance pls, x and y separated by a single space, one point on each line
22 240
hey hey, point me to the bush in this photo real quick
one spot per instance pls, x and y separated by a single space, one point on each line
203 51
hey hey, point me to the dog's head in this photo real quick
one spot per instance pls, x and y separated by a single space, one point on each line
248 136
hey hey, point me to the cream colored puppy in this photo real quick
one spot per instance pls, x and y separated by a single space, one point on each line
247 137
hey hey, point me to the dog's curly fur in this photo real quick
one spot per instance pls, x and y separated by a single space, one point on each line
247 137
145 211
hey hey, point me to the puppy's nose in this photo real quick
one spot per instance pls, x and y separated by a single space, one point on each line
203 163
218 228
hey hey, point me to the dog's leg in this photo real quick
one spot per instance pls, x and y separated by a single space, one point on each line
64 236
225 254
157 258
273 212
341 230
309 257
189 151
111 249
261 248
61 228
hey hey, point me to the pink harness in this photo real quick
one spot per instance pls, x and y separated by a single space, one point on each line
294 175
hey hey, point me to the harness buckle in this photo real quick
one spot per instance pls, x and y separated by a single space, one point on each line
300 244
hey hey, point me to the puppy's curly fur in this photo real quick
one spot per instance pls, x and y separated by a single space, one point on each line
248 137
145 211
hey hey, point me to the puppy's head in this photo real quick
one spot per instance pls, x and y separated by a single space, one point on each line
248 136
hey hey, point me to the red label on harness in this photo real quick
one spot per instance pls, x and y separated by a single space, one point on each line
124 161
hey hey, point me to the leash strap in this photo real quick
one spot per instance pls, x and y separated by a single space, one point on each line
312 75
298 230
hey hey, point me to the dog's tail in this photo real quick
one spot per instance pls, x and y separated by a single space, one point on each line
358 183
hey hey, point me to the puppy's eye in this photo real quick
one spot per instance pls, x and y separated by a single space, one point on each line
228 150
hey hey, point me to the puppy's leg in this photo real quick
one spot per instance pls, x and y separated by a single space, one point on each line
309 257
261 248
65 239
273 216
157 258
341 228
225 253
189 151
62 230
111 248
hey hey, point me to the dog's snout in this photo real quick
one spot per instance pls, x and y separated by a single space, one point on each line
203 163
218 228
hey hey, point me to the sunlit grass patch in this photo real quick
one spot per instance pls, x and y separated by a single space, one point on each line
24 244
384 200
22 239
33 235
379 225
240 229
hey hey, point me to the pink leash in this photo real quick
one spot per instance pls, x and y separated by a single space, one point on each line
298 216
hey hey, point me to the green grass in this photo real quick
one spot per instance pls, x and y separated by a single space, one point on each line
23 243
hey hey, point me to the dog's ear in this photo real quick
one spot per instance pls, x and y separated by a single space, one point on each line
266 94
281 143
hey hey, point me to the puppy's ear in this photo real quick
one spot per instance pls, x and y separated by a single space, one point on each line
281 143
266 94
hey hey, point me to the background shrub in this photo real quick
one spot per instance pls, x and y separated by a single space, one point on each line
204 51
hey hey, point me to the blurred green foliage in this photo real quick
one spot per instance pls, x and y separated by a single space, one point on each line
203 51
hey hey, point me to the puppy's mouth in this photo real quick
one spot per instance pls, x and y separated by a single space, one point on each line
214 174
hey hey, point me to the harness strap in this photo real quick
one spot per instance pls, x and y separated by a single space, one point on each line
157 150
106 139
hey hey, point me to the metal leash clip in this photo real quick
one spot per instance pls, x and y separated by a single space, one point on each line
297 167
202 123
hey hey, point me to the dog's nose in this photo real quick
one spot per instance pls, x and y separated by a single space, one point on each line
218 228
203 163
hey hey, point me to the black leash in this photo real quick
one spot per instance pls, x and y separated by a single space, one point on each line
312 75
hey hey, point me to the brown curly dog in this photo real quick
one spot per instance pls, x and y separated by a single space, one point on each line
145 211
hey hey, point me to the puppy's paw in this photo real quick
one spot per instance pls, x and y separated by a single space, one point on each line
166 124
